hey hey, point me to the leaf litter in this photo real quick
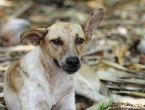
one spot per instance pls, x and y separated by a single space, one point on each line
117 51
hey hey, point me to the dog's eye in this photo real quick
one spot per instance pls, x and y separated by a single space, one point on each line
57 42
79 41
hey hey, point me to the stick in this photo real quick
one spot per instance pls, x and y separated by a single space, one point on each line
117 66
22 10
17 48
92 51
3 68
137 94
118 80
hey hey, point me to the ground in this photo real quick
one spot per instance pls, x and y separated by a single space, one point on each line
116 52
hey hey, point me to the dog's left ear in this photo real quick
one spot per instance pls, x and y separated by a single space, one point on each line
34 36
91 23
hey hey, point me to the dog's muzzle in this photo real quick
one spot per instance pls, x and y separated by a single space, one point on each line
72 65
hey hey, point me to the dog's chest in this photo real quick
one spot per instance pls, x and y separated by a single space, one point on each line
49 89
56 86
60 85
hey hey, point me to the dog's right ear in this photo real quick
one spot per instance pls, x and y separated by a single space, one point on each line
34 36
90 24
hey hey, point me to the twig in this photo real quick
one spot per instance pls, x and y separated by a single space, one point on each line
17 48
126 108
117 80
92 51
138 94
124 87
117 66
22 10
3 68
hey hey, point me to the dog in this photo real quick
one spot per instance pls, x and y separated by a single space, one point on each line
44 79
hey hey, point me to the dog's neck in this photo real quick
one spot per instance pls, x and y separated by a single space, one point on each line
43 61
48 62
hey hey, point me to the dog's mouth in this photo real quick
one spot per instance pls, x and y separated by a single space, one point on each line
68 68
56 63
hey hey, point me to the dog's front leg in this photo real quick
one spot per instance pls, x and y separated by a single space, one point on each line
87 90
67 102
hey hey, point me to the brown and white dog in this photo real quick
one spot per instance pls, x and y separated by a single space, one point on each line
43 79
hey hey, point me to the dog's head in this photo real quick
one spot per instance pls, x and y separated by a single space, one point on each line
64 42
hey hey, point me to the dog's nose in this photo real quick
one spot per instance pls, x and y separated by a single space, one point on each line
72 61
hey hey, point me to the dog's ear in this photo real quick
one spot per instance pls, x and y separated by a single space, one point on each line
34 36
91 23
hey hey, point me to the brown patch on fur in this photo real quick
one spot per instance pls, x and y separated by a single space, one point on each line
47 69
67 27
15 79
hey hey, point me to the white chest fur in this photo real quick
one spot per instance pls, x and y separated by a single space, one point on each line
51 80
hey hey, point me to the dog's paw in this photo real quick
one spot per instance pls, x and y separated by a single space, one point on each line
96 106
